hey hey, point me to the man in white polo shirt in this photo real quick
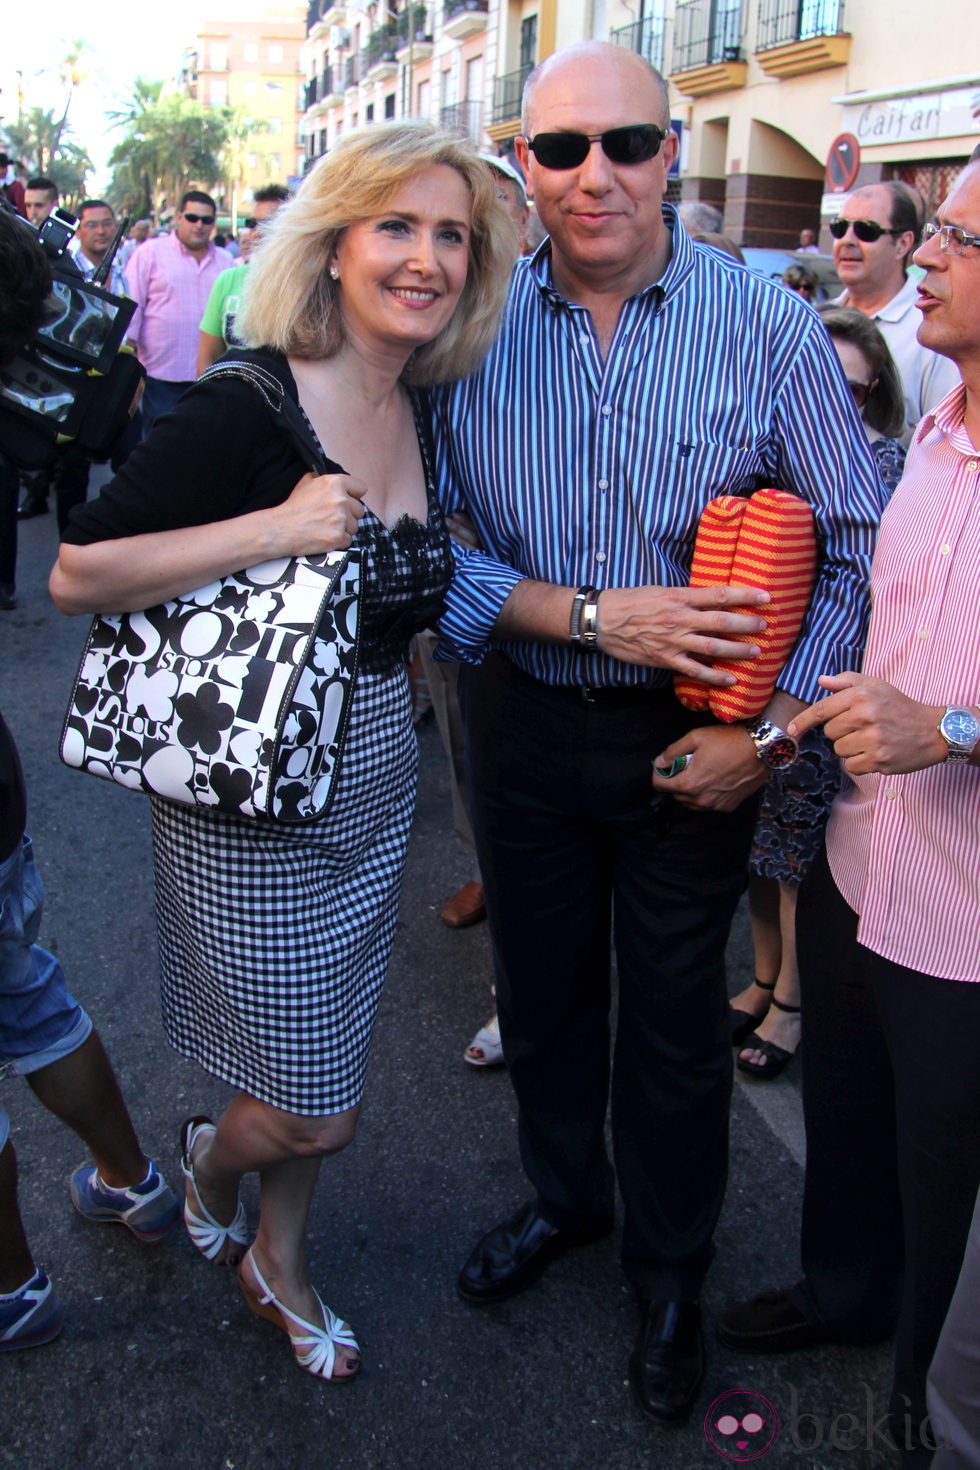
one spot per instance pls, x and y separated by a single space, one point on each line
874 238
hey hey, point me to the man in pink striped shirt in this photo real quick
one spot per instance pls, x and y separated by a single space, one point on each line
889 925
170 279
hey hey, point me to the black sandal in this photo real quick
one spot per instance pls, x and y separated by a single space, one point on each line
741 1021
776 1058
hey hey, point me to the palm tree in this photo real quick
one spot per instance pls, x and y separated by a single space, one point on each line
234 155
45 145
168 146
144 96
72 71
132 190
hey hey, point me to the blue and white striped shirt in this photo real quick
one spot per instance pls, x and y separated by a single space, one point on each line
581 471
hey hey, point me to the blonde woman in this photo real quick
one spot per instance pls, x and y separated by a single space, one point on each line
388 270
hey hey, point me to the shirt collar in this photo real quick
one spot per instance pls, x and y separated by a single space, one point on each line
177 244
947 417
893 310
679 266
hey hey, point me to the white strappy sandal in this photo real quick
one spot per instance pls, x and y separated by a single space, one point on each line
487 1043
314 1348
207 1234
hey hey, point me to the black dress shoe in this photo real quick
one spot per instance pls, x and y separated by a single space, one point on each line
32 508
514 1255
769 1323
8 596
667 1365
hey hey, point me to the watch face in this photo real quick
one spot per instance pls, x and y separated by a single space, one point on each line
960 726
780 752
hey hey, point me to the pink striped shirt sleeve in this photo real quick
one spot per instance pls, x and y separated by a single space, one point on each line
904 850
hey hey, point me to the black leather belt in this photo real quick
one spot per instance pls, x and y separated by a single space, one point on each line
603 696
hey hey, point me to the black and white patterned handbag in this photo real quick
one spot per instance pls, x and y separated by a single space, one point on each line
235 696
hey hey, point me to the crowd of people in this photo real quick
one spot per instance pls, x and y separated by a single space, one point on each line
521 453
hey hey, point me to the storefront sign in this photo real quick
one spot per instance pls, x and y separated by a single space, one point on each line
909 119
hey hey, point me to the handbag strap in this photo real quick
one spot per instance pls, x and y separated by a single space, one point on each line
288 416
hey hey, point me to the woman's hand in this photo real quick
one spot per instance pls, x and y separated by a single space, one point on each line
321 514
134 572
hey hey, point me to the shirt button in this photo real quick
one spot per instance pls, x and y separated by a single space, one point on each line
600 557
973 464
891 793
607 409
584 340
923 633
603 484
944 550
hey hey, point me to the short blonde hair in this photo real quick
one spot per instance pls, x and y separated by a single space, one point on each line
291 304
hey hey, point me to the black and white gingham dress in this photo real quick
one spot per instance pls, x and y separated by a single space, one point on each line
274 940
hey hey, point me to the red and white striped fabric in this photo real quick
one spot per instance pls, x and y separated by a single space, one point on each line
767 541
904 850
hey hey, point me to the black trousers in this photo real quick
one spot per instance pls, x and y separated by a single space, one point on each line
576 851
9 492
891 1099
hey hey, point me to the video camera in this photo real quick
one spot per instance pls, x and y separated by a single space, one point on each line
68 382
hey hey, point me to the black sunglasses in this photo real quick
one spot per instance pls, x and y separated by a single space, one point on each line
250 223
867 230
861 392
200 219
635 144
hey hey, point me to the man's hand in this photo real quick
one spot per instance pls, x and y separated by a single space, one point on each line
679 627
462 529
723 771
874 726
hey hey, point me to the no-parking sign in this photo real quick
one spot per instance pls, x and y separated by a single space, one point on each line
843 162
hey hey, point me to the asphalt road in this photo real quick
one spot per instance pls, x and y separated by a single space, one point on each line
160 1363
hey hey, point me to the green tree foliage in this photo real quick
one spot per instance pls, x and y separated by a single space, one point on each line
169 144
42 139
44 143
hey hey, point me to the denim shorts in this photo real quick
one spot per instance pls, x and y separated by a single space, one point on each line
40 1022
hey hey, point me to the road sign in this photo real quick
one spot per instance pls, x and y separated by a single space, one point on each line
843 162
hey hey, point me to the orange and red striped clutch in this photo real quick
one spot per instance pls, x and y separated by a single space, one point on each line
768 541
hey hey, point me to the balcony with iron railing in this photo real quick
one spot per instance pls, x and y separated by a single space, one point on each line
707 50
352 71
645 37
463 117
414 40
462 18
796 36
507 93
320 16
321 88
378 56
706 32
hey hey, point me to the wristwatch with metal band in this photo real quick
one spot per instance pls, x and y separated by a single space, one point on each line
960 729
773 746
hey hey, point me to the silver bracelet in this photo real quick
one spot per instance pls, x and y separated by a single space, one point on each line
589 638
579 602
